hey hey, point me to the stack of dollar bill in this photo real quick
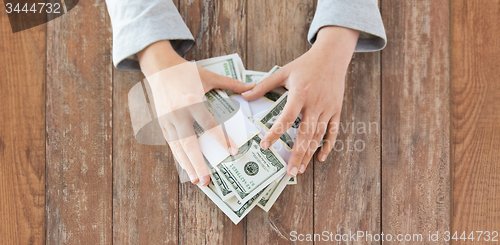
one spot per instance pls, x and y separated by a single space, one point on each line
253 177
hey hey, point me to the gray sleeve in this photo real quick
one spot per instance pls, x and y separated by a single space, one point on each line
361 15
137 24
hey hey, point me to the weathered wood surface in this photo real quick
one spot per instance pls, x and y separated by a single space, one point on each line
347 185
145 180
476 117
22 134
285 24
145 191
219 28
79 127
416 118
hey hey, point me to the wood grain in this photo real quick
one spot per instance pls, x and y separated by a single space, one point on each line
219 28
277 34
22 134
476 117
416 118
79 130
347 184
145 179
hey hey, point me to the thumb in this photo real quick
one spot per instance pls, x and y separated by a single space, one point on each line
223 82
269 83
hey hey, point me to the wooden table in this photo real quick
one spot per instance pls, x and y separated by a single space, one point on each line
72 173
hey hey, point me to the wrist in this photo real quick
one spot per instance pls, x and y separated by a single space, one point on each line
337 36
336 40
336 45
158 56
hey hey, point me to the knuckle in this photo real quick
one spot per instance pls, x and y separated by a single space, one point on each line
276 130
301 150
318 135
313 146
288 117
188 144
206 122
199 168
191 98
333 129
308 133
296 160
174 145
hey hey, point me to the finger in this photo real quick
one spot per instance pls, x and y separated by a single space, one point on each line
301 144
223 139
331 137
193 152
269 83
183 160
175 146
206 121
223 82
168 130
321 127
164 130
285 120
202 116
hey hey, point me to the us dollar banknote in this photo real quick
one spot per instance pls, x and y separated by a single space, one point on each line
253 76
272 114
235 209
223 190
272 192
252 169
229 65
219 105
273 70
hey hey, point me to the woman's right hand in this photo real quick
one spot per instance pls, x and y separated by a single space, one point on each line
177 87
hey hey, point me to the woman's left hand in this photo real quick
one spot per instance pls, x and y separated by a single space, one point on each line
315 82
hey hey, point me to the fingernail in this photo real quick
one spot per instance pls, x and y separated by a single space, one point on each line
247 92
232 151
204 180
302 168
265 145
293 172
193 179
322 158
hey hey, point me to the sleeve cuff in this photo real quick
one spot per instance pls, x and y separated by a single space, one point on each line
361 15
154 23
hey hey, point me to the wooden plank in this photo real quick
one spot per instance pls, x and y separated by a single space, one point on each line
79 130
415 118
277 34
347 184
476 117
145 191
219 28
145 183
22 134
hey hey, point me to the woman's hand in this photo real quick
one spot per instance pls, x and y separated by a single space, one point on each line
315 82
177 88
